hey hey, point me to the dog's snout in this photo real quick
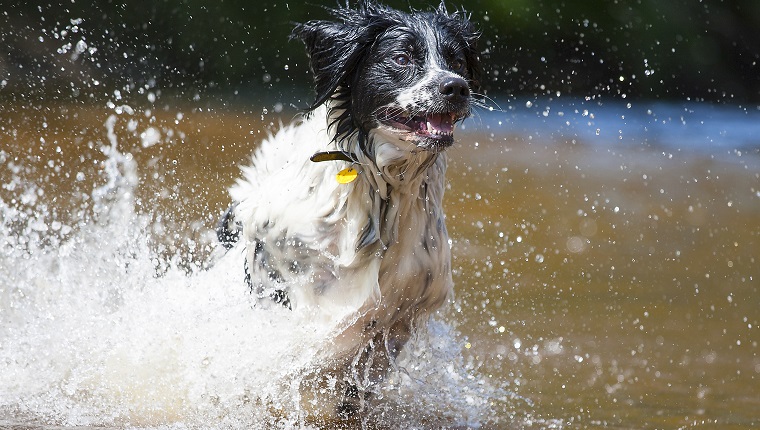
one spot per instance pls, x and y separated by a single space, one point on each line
454 89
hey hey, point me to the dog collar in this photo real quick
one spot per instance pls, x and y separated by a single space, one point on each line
333 156
346 175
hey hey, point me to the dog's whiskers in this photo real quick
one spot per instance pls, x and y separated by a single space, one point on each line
482 101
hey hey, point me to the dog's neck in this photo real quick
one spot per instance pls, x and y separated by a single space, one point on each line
390 163
403 168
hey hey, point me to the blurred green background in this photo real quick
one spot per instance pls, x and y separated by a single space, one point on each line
653 49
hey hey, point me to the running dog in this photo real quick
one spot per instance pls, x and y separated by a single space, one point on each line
340 213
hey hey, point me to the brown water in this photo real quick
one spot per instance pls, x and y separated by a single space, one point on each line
601 285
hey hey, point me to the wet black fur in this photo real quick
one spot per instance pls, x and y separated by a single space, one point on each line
349 58
227 229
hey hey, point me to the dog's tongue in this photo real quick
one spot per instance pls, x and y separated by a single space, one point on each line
440 122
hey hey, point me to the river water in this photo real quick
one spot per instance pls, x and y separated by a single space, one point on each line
605 260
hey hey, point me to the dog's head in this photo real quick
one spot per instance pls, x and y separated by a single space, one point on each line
408 75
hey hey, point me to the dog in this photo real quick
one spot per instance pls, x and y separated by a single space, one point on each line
340 214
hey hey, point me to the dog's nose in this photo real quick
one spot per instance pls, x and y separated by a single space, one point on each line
454 89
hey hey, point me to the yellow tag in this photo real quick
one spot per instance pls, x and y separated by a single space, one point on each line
346 175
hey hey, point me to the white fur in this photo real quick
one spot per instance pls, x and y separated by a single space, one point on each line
302 217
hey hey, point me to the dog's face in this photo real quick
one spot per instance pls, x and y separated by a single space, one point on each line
410 76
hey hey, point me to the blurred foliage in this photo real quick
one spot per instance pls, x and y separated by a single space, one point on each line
679 49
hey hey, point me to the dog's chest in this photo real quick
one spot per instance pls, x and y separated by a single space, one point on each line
415 270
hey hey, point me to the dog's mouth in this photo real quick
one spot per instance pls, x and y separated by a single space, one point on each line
430 129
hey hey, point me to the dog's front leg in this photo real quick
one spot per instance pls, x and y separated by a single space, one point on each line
372 365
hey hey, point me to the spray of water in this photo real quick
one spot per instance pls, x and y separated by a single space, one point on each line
92 333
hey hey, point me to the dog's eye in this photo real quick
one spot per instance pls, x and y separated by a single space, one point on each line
402 60
457 65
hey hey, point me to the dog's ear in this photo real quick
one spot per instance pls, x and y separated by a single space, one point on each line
336 48
331 54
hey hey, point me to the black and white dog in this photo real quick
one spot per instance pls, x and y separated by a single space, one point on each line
340 215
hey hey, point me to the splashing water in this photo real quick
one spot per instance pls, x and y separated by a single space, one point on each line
93 333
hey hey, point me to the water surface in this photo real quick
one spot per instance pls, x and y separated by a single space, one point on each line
604 254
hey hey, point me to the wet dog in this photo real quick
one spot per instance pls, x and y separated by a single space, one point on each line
340 214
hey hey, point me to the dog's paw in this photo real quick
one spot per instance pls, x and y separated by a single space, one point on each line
351 404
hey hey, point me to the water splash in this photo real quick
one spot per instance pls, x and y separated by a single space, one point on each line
96 328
